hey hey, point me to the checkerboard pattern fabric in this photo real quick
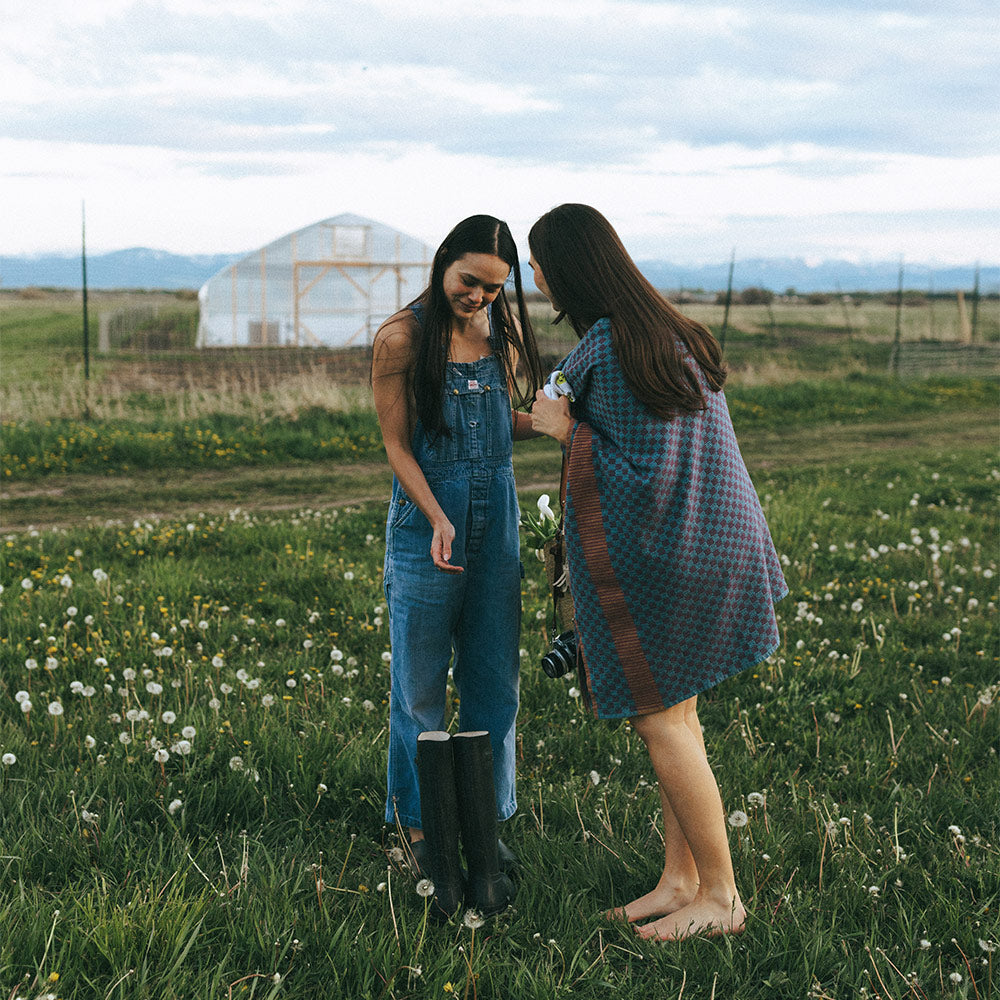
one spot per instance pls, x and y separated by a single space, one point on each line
673 572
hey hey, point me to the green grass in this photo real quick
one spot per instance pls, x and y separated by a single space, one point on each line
37 449
870 734
32 450
254 614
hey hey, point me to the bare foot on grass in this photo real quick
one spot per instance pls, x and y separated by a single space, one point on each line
700 918
662 900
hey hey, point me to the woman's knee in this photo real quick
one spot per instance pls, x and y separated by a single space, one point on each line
650 726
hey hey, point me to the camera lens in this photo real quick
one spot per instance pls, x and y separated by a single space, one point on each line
561 659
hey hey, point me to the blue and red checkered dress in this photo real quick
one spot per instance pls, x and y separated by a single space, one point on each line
673 572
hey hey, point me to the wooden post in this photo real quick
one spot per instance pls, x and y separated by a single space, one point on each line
973 335
894 357
86 323
263 296
964 329
844 299
233 302
729 299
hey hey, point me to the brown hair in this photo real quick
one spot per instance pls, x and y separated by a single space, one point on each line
591 276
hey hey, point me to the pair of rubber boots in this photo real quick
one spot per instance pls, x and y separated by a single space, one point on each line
457 799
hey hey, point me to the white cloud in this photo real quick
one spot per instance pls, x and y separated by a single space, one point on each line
685 122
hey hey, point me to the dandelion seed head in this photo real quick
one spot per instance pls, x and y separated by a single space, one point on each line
425 888
738 818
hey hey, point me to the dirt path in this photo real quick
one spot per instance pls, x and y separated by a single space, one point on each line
76 499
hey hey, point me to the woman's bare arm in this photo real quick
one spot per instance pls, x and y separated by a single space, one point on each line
392 367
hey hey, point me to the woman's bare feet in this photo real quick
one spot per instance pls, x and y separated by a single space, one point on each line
666 898
703 917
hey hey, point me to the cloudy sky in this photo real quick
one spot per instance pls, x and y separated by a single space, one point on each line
864 129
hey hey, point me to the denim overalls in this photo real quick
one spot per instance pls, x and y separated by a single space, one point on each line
475 615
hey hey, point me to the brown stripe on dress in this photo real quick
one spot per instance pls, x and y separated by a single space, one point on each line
590 524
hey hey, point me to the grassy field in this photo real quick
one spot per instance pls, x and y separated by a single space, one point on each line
194 666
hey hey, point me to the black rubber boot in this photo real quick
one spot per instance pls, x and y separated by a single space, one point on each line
489 890
439 810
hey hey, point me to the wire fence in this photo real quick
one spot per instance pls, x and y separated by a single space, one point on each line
929 335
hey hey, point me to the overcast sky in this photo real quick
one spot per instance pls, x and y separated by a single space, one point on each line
862 129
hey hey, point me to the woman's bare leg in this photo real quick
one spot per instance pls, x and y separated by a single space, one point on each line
688 784
679 881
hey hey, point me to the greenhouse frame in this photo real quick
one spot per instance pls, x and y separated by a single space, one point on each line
330 284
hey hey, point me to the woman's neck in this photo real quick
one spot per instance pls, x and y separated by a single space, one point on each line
470 339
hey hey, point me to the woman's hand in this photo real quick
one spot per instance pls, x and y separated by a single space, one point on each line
552 418
444 535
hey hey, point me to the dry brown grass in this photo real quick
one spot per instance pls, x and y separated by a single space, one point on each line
140 393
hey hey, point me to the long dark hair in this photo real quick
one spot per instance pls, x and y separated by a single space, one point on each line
591 275
477 234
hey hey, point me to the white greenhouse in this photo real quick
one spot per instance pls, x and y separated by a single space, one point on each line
328 285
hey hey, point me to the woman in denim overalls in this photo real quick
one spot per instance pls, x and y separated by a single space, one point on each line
442 375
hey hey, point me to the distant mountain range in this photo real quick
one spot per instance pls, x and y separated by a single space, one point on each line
158 269
135 268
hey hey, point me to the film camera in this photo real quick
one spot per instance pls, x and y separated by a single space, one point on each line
561 658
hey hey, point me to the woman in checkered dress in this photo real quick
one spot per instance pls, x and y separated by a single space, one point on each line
672 569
